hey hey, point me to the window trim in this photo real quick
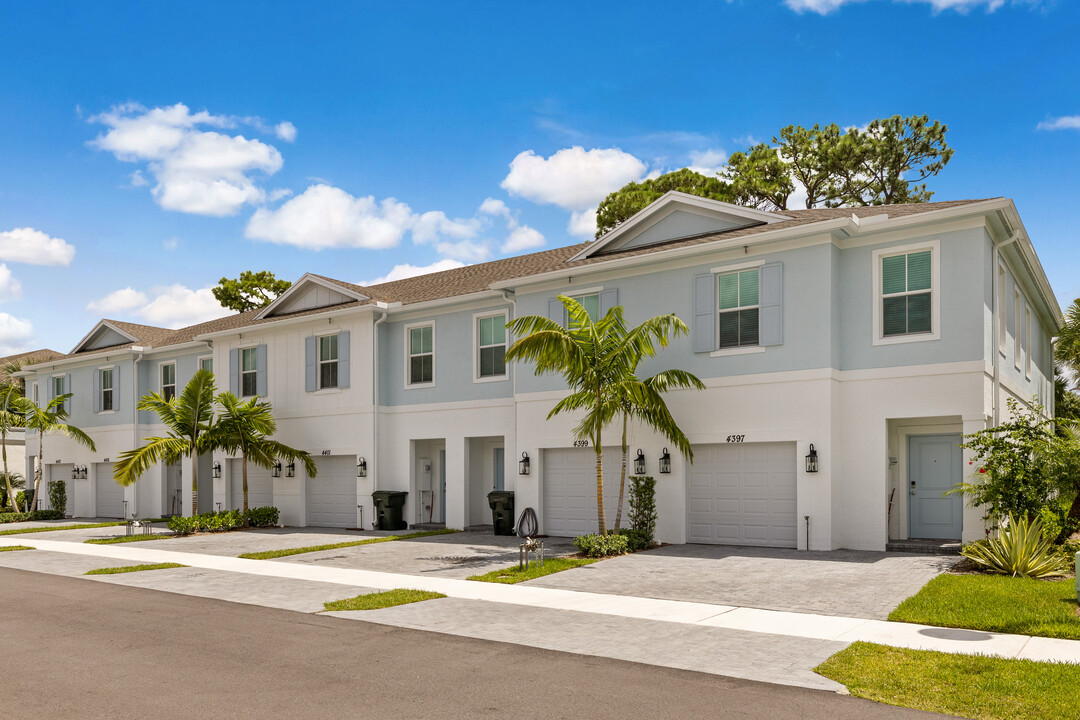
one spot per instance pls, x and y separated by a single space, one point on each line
1027 341
477 317
1018 327
735 349
240 370
199 361
161 377
934 246
55 395
319 361
101 390
581 293
408 356
34 393
1002 309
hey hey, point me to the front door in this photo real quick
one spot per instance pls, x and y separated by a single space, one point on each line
935 466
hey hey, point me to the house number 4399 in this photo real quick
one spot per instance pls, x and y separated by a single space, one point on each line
735 438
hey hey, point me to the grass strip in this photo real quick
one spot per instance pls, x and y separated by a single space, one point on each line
132 568
9 548
57 528
995 603
379 600
972 686
271 554
129 538
512 575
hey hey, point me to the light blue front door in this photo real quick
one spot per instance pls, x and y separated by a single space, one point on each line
935 466
442 486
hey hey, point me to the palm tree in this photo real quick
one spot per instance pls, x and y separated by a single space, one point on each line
49 419
245 428
1067 345
13 482
9 418
189 420
594 358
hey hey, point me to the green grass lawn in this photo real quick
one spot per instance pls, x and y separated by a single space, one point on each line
9 548
376 601
128 538
513 575
995 603
970 686
56 528
271 554
133 568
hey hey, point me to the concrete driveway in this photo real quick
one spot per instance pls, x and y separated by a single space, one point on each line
842 582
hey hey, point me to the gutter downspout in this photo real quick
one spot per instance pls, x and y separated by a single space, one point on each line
997 304
134 416
511 298
375 406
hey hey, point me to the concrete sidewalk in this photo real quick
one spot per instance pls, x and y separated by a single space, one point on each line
793 625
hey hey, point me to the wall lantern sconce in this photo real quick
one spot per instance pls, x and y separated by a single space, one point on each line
361 467
665 462
523 464
639 463
74 472
275 471
811 460
217 470
290 470
82 473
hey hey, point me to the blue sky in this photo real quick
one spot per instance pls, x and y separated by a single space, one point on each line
148 149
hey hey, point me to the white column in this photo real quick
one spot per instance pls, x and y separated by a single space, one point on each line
974 526
457 498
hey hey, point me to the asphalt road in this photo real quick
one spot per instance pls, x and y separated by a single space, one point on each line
75 648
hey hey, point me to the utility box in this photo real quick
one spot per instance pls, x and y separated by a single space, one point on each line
502 511
390 509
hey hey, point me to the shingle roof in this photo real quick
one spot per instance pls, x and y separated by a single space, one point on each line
27 358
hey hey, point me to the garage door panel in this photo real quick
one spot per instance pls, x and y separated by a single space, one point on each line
569 492
331 494
260 486
743 494
109 500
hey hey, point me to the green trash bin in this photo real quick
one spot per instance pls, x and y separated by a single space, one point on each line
389 509
502 511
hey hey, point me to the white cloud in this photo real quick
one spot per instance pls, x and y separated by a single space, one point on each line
118 301
177 306
522 238
285 131
27 245
197 171
10 287
400 272
583 224
432 225
493 207
573 178
16 334
1068 122
138 180
707 162
328 217
824 7
468 251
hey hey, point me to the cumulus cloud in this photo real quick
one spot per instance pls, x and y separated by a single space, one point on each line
522 238
573 178
118 301
824 7
285 131
400 272
197 170
1068 122
10 287
16 334
583 224
172 306
324 216
432 225
27 245
496 208
707 162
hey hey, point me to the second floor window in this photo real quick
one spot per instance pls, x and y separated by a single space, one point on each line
249 367
206 364
107 389
168 381
591 303
328 361
421 355
905 294
492 346
58 387
737 316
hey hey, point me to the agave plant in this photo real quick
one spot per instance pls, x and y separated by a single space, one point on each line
1019 549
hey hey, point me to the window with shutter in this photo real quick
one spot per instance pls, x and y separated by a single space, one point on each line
249 367
737 312
328 361
106 389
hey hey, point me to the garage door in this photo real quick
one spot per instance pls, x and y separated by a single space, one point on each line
570 490
260 486
742 494
331 495
110 496
57 473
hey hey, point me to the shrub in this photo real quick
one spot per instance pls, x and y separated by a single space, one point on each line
642 515
24 499
223 521
1019 549
597 546
636 540
263 516
36 515
58 496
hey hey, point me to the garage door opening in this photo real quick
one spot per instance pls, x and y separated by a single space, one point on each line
331 494
569 494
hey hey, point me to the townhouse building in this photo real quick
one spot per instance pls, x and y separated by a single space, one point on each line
845 351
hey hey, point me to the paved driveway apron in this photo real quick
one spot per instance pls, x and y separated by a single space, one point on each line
841 582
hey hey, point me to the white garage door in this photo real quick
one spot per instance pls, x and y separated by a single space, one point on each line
331 495
56 473
742 494
260 486
570 490
110 496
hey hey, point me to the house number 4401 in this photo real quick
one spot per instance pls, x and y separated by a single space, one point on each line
735 438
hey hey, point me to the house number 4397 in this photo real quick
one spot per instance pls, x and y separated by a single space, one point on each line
735 438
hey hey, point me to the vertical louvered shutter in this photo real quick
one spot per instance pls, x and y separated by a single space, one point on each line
704 329
771 305
343 359
310 364
234 371
556 311
97 391
608 300
260 372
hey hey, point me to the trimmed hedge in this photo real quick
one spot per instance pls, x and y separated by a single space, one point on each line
636 539
35 515
598 546
224 521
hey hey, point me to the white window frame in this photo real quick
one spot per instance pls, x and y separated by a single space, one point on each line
203 359
1027 341
1002 309
34 393
934 246
408 356
477 317
240 370
319 361
161 377
1018 328
736 349
587 292
55 394
101 390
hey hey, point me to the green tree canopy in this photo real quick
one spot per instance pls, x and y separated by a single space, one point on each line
622 204
249 291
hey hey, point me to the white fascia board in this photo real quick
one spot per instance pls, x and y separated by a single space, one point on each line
397 308
308 278
64 362
359 309
101 324
1031 259
193 345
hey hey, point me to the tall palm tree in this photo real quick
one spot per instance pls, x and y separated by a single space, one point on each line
245 428
189 420
594 357
1067 345
9 418
46 420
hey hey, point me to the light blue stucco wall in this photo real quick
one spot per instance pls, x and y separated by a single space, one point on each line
81 406
149 375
